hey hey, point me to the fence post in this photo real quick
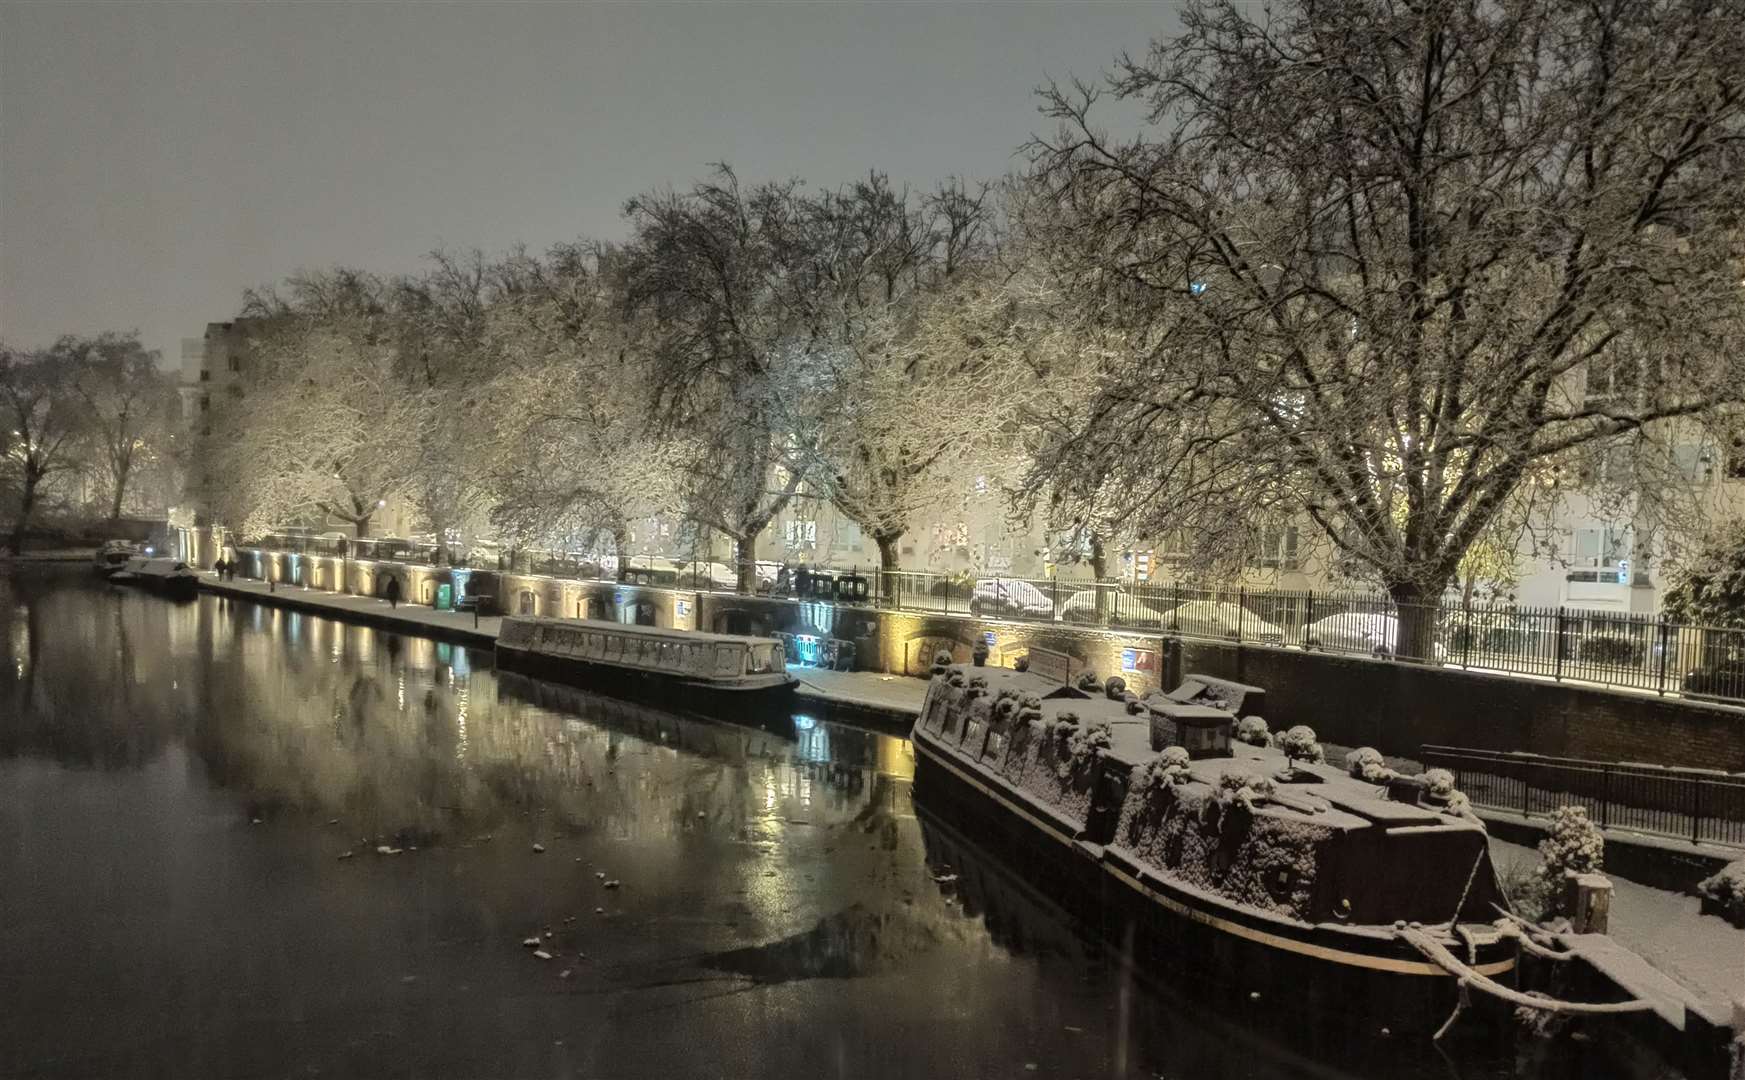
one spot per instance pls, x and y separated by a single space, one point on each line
1054 594
1696 809
1466 645
1660 682
1557 663
1308 617
1605 794
1241 610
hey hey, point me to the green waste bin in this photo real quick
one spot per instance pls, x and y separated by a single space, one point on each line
445 596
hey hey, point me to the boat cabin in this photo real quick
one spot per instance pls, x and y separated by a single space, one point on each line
686 654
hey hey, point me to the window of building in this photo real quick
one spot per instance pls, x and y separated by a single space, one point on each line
1278 547
1736 458
205 403
1601 546
236 363
205 375
1613 377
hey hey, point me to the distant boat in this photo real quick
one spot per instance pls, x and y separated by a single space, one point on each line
678 666
112 557
172 577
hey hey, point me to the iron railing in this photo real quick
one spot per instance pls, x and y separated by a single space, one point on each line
1633 651
1684 804
1637 652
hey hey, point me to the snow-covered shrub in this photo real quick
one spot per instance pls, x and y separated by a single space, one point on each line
1083 746
1573 845
1135 707
979 681
1299 745
1168 767
1115 687
941 661
1361 761
1243 787
1725 892
1087 681
1440 783
1253 731
1022 663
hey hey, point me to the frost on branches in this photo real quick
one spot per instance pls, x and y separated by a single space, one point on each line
1359 270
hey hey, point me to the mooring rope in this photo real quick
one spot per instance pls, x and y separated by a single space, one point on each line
1434 951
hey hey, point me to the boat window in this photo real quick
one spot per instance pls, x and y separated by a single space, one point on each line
760 662
727 659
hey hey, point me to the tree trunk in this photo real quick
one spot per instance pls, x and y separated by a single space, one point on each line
887 543
120 492
1099 570
362 525
745 564
1416 608
620 541
26 504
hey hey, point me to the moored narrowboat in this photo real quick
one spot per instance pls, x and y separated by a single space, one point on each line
171 577
1276 876
684 667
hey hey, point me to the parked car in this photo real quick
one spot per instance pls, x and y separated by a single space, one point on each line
1221 619
1368 632
1010 598
1119 607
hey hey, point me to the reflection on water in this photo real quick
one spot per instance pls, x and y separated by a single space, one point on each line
780 912
405 735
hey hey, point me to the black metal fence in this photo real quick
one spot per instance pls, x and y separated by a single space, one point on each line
1639 652
1684 804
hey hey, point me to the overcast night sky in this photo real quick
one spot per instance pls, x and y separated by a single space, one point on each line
158 158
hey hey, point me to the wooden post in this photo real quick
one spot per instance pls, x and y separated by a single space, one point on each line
1590 902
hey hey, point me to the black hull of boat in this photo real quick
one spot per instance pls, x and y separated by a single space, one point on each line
180 588
657 689
1311 975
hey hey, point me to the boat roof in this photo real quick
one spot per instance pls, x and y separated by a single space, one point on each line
633 630
1350 803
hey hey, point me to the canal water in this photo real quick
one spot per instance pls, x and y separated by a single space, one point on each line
193 798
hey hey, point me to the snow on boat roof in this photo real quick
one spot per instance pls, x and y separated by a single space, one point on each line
633 630
1354 803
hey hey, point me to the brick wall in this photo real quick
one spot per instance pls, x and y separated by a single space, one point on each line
1398 708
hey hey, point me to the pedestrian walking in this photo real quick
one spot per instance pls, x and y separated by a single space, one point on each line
393 592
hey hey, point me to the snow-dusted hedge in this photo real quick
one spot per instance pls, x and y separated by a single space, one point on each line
1724 893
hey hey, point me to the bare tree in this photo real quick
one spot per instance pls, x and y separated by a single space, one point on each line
133 406
1358 262
570 447
897 391
42 423
719 274
326 423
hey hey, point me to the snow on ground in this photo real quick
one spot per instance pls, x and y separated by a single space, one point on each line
1704 952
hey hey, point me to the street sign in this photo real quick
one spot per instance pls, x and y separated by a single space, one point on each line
1623 571
988 638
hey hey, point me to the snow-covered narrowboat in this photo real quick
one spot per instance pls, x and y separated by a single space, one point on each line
172 577
681 667
1289 882
112 557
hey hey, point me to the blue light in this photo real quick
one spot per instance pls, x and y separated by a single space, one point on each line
1196 287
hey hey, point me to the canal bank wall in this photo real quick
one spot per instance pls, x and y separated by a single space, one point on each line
866 699
1395 707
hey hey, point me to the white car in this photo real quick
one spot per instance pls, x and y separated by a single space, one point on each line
1221 619
1010 598
1359 631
